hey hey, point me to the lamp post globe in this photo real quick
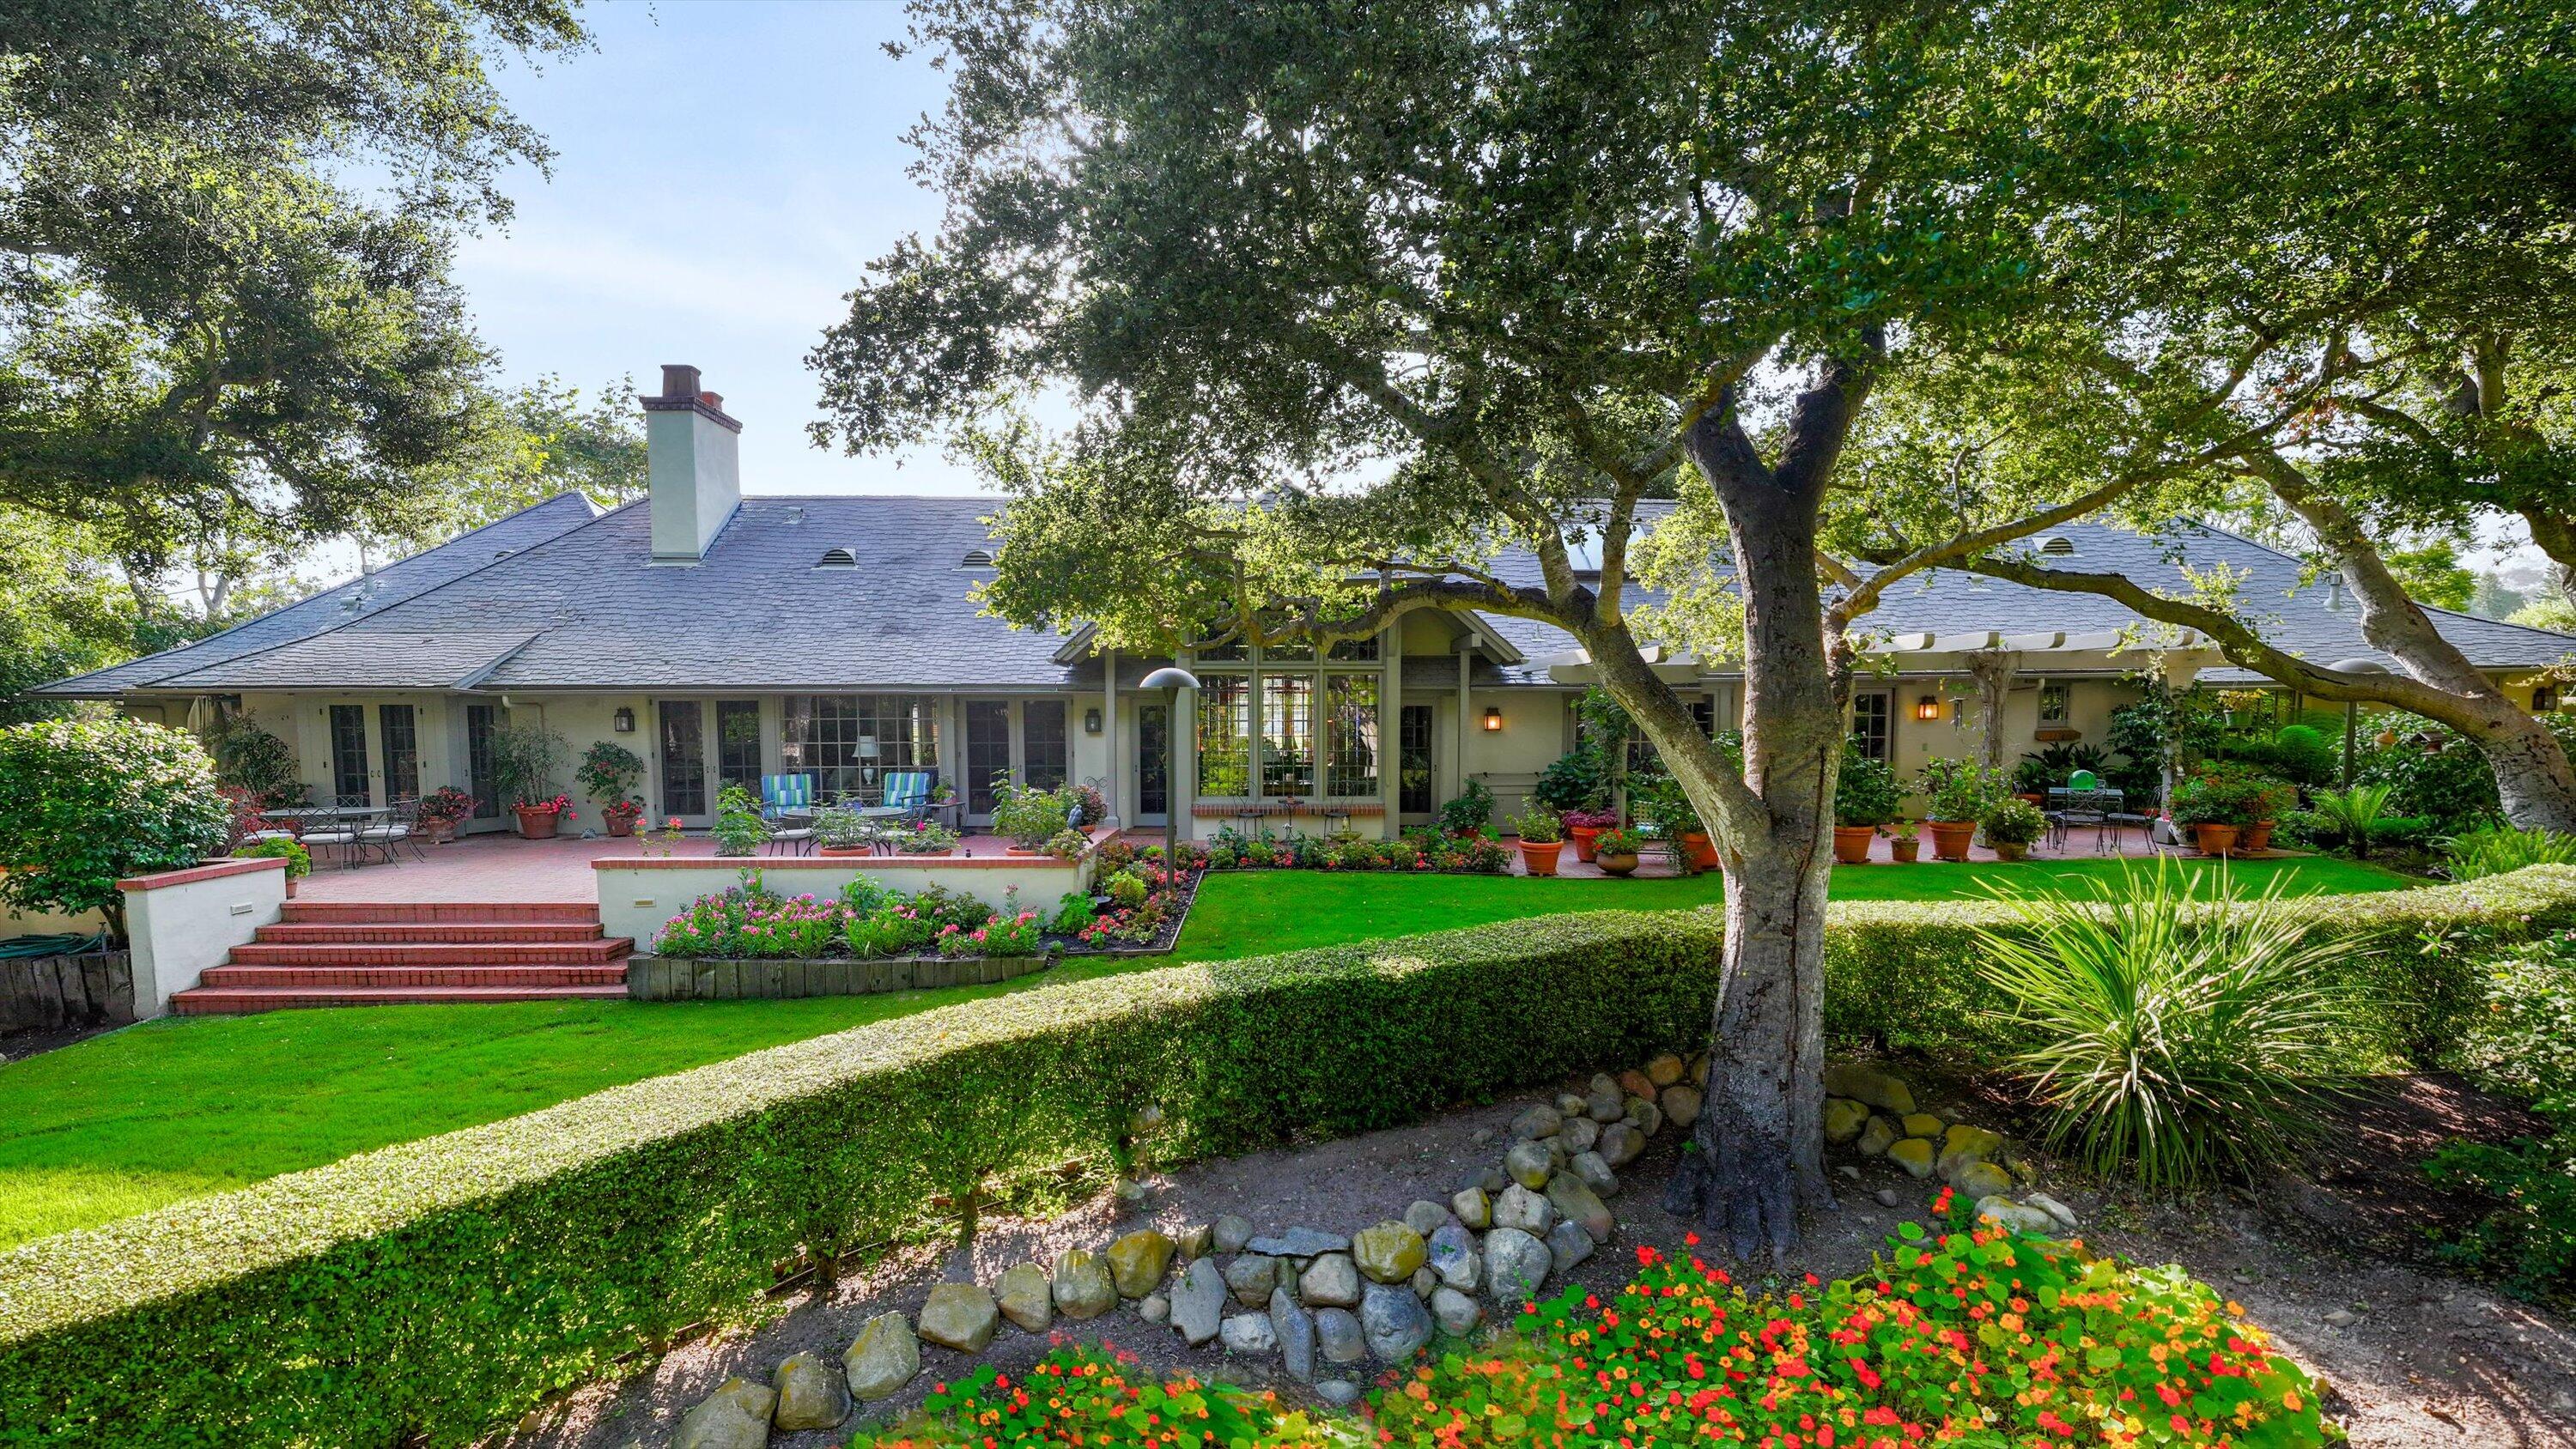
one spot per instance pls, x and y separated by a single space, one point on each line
1171 679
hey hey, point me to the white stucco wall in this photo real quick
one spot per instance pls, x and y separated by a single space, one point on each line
183 921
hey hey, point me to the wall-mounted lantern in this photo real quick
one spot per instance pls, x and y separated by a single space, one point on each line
1927 708
1091 721
623 721
1493 719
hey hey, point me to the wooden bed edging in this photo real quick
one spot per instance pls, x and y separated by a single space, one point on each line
681 978
46 992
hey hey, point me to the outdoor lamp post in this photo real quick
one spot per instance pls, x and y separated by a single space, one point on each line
2352 709
1172 680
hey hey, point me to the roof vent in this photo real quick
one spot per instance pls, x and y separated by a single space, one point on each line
838 558
976 558
502 553
2334 590
796 513
2057 547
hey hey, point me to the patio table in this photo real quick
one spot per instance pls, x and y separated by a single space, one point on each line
336 824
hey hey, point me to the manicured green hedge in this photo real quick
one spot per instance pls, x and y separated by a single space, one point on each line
438 1288
432 1290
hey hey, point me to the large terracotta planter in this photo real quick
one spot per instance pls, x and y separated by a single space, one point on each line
1583 836
290 887
1904 851
1950 838
437 832
1852 842
1616 864
2214 839
536 824
1539 857
844 850
621 824
2257 836
1701 849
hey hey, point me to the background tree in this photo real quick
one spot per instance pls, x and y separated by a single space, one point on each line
206 325
536 442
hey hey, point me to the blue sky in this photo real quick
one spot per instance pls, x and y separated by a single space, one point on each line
723 173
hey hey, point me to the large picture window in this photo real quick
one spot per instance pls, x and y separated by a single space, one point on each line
1287 734
847 742
1316 731
1350 704
1225 735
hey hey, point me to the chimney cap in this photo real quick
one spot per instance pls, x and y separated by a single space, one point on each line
682 393
679 380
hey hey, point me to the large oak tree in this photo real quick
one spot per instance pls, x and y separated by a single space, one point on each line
1353 296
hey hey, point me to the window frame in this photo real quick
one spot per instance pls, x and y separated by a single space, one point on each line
1256 670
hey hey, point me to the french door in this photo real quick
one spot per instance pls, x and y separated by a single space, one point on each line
1413 760
988 752
1153 763
683 758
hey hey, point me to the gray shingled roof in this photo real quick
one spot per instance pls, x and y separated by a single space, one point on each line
575 604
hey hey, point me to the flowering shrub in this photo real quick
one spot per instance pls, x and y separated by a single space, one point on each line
750 921
1979 1335
559 805
1418 850
1015 934
1142 899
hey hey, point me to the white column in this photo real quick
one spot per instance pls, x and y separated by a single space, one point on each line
1117 791
1466 717
1390 729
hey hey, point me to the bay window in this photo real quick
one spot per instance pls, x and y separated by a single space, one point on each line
1278 723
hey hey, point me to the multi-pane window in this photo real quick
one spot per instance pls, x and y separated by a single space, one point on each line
349 754
1153 760
684 758
1872 723
1413 780
402 751
1045 760
480 721
2053 700
1350 704
738 744
988 751
1287 734
1642 755
848 741
1225 735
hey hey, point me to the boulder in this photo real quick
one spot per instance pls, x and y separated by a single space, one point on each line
1455 1312
735 1416
1338 1336
1529 1164
1331 1281
1876 1137
1340 1393
1663 1069
1581 1206
1138 1261
1422 1282
1229 1234
1621 1144
1294 1327
1452 1257
1198 1305
1473 1208
1026 1297
1914 1154
1569 1105
882 1359
1300 1243
1645 1116
1251 1276
1887 1197
810 1395
2017 1217
1595 1172
1154 1308
1979 1179
1391 1252
1516 1264
1424 1216
1567 1246
1883 1090
1580 1135
2064 1215
1605 1103
1083 1287
1844 1117
1921 1124
1964 1144
1521 1208
1537 1122
961 1316
1395 1321
1635 1083
1250 1333
1197 1240
1493 1180
1681 1104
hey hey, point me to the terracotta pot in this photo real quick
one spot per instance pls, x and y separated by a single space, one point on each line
2011 849
1583 836
1950 838
2214 839
2257 836
1852 842
621 824
1539 857
2032 797
1904 850
536 824
840 849
437 832
1703 851
290 887
1616 864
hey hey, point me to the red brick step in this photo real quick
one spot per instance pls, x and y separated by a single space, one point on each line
365 912
228 976
227 1001
434 953
385 953
451 932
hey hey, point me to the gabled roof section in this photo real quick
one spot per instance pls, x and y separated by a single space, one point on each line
349 603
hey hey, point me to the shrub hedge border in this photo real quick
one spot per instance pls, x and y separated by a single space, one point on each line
431 1290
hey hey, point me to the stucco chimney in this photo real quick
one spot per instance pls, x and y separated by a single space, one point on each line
693 453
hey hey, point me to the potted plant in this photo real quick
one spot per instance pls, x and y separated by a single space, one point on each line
1659 798
608 772
1029 817
2273 798
541 819
2215 807
524 759
1584 827
1615 851
926 838
1865 796
441 811
1542 839
1959 793
1068 844
1901 844
739 830
2011 825
299 861
842 830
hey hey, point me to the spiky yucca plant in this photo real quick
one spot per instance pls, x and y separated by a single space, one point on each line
2178 1040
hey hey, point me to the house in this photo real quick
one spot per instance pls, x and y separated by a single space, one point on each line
724 637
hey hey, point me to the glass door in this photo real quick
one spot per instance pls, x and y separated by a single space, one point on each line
400 732
684 758
480 721
1413 761
988 753
1153 763
349 755
738 745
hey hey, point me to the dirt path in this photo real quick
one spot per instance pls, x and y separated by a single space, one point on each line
2412 1358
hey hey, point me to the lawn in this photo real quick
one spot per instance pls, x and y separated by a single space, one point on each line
177 1108
1248 913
